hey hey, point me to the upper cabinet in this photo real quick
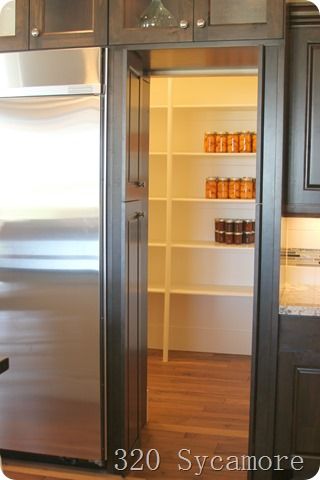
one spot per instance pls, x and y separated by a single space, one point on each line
150 21
238 19
68 23
14 15
302 192
36 24
164 21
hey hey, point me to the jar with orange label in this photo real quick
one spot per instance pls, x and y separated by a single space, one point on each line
234 188
221 142
223 188
209 142
233 142
246 188
254 142
245 142
211 187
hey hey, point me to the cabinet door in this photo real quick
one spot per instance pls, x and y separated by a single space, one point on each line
14 16
298 406
136 342
125 22
238 19
68 23
303 188
137 114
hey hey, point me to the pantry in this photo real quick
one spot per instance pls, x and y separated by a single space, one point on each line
202 176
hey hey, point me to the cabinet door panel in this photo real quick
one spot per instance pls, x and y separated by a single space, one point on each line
239 19
137 112
124 23
14 16
303 175
135 275
68 23
298 406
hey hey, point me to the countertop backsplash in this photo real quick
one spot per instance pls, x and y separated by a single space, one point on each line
300 262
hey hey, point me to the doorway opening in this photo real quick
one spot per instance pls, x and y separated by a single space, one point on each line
203 125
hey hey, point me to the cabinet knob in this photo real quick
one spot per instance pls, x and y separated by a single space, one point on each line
201 23
35 32
184 24
139 215
141 184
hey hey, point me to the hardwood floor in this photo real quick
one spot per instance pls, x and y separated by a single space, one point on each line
198 402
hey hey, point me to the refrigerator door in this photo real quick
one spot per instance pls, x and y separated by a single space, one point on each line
50 276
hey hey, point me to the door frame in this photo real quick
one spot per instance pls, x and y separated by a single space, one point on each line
267 256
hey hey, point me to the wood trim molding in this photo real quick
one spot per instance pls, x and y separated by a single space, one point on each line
303 14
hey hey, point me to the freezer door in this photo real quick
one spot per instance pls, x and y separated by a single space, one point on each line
50 279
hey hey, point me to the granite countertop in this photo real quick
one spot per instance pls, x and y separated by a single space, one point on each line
4 364
300 300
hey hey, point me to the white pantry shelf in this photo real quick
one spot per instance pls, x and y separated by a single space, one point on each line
214 155
213 290
222 247
217 200
217 107
157 199
157 245
155 289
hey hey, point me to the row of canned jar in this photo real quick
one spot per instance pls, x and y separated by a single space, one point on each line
231 188
234 231
226 142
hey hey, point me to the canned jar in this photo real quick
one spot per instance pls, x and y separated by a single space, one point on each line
219 236
253 188
245 142
229 238
209 142
234 188
248 238
220 224
229 226
221 142
254 142
233 142
211 187
246 188
223 188
248 226
238 226
238 238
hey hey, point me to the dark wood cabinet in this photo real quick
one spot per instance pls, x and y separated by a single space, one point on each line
125 16
298 405
136 341
68 23
302 192
238 19
199 20
137 115
57 24
14 27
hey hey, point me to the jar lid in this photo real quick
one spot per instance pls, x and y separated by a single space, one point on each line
247 179
229 233
229 220
235 179
238 221
220 231
220 219
248 221
238 233
223 179
211 178
209 133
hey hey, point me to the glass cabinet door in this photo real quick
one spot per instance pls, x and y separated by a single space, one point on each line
14 16
68 23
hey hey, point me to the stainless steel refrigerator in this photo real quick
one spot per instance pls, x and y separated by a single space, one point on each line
52 235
